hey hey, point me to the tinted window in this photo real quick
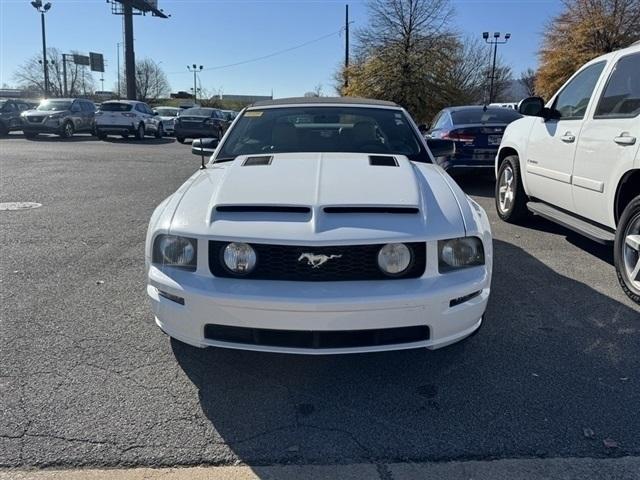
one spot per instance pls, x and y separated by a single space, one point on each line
167 112
480 115
621 97
87 106
198 112
573 100
115 107
6 106
441 121
323 129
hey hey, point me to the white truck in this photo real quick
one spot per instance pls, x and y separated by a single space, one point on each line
576 160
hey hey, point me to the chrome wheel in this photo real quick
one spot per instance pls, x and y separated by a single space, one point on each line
68 130
631 252
506 190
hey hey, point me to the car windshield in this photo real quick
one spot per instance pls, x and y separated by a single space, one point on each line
322 129
197 112
480 115
3 104
167 112
116 107
52 105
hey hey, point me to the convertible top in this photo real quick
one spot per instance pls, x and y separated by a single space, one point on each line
328 100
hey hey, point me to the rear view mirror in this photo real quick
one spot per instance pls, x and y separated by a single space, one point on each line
441 148
204 146
532 106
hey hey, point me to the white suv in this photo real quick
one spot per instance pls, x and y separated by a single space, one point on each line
576 160
127 117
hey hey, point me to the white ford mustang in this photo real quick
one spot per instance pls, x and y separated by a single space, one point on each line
320 226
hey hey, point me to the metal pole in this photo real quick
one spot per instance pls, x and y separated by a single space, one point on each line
493 70
118 45
129 55
346 47
44 59
195 91
64 73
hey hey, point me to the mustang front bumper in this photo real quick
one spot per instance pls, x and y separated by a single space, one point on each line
278 316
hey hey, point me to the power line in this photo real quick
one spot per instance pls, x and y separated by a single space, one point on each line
264 57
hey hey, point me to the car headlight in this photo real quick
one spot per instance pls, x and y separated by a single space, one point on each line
394 258
56 116
239 258
175 251
459 253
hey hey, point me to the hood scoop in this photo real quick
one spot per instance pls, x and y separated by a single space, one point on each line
261 209
391 209
256 161
382 161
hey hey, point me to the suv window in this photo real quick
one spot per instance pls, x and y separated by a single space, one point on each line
621 96
573 100
87 106
8 107
115 107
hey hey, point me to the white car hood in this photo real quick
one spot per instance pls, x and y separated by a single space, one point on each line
316 181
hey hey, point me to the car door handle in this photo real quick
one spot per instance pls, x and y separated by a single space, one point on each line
625 140
568 138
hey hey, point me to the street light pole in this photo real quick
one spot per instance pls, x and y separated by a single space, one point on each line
495 42
43 8
118 54
195 69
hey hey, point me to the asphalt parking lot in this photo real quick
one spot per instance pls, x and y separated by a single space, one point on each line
86 379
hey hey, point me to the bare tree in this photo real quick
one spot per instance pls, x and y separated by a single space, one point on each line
151 81
30 76
316 92
528 81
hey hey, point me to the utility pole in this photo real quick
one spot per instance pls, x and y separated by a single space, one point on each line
126 9
118 55
495 42
195 69
129 54
43 8
64 74
346 46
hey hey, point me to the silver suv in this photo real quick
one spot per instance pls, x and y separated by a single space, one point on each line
62 116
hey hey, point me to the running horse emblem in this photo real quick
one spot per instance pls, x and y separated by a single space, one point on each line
316 261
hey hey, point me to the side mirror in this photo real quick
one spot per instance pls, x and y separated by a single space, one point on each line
532 106
441 148
204 146
155 114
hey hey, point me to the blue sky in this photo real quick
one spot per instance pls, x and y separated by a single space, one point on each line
218 32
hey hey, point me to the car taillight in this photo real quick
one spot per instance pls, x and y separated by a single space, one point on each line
128 114
459 136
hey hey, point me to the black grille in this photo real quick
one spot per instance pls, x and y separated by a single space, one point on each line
34 119
317 339
286 262
261 209
398 210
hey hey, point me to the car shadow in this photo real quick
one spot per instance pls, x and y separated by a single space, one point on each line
477 185
554 359
147 140
50 137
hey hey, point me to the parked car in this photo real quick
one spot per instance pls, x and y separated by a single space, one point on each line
477 132
62 116
200 122
230 115
576 160
320 226
127 117
168 116
10 111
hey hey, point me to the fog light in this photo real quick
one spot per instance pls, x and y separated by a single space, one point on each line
239 258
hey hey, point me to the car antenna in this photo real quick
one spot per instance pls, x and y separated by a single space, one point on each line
202 166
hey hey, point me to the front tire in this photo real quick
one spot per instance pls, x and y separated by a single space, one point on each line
180 139
510 197
627 250
67 130
4 130
160 131
140 132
